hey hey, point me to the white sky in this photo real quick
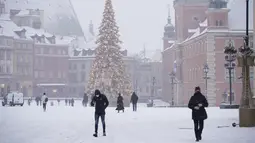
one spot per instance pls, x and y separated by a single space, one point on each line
140 21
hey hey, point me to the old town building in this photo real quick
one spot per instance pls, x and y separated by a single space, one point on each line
203 29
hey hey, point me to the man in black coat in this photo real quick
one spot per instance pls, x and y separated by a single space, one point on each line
134 100
100 102
197 104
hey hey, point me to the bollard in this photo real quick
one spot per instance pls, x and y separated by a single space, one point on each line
234 124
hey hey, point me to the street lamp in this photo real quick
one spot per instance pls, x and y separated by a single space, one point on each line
206 70
246 60
172 77
231 55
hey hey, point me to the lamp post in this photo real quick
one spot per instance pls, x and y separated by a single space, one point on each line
246 60
230 57
172 77
206 70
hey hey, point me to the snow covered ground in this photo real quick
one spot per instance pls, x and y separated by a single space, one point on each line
61 124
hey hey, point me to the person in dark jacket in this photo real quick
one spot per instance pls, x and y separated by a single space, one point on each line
120 104
197 104
134 99
85 100
100 102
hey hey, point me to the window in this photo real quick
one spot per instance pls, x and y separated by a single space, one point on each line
41 50
252 73
37 50
59 74
221 23
51 74
9 42
83 76
20 58
41 74
64 75
64 52
83 66
46 51
8 70
74 66
8 55
24 46
2 57
36 74
1 69
50 51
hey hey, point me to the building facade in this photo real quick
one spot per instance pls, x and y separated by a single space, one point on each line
23 62
80 64
203 29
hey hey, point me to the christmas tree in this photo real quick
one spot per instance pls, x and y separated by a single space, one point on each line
108 70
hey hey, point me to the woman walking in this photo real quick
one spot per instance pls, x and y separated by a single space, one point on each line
120 104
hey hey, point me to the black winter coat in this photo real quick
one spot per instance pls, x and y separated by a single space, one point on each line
101 104
134 98
120 104
198 98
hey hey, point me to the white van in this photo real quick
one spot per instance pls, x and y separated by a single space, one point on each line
13 98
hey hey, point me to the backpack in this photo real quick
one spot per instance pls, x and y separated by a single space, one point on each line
46 99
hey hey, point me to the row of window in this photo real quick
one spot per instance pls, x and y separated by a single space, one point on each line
24 71
49 74
5 55
54 51
23 46
5 69
75 66
5 42
75 78
24 58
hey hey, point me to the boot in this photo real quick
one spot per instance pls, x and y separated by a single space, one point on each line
104 134
95 134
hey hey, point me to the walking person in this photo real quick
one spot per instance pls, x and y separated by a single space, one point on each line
197 104
72 102
85 100
134 100
120 104
100 102
44 100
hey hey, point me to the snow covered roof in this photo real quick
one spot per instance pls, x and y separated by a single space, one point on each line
236 17
59 40
40 32
59 16
8 27
204 24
